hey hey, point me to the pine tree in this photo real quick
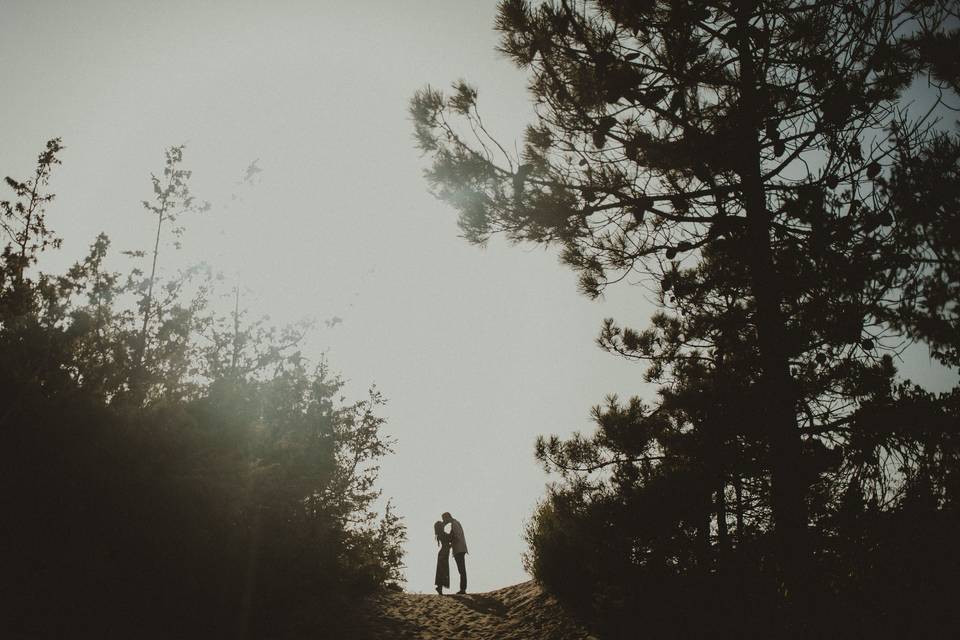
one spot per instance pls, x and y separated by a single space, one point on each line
666 129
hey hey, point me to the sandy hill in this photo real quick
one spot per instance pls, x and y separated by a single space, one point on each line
521 611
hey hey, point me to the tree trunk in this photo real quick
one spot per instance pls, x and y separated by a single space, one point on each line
138 382
738 489
703 529
777 411
235 355
723 534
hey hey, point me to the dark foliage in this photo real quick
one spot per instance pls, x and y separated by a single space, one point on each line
157 485
614 561
755 166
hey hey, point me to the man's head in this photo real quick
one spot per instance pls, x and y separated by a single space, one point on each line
446 516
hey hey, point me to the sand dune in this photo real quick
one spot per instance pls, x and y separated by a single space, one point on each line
520 611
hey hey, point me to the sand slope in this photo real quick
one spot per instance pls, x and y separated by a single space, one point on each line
520 611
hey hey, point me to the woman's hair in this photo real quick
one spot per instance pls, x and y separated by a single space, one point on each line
438 531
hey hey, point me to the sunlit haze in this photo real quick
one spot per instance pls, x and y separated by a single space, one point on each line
477 350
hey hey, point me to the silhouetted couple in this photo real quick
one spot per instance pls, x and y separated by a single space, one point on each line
450 540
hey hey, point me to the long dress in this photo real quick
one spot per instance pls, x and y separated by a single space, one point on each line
443 562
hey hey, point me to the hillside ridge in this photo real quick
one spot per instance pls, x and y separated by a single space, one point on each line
518 611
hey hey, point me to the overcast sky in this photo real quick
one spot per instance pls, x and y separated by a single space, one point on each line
477 350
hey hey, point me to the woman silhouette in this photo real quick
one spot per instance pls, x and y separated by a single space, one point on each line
443 557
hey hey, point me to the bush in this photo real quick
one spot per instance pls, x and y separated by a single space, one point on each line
155 486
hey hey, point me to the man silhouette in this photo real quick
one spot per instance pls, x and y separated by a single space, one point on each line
459 547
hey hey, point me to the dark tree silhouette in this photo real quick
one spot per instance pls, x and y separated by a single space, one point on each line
758 138
23 220
171 199
235 498
924 190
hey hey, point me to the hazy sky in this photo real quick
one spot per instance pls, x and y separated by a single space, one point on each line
478 351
